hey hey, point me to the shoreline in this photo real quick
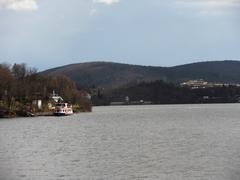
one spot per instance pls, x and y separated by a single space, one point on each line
37 114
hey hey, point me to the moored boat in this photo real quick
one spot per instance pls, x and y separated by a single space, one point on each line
63 109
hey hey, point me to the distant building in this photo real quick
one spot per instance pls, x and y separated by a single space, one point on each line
127 100
201 84
56 97
88 96
195 84
53 99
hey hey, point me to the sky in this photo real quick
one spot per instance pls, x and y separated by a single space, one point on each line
51 33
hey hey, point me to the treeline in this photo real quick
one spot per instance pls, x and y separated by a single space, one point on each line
20 85
160 92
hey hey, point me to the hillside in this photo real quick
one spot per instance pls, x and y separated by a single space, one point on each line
160 92
109 75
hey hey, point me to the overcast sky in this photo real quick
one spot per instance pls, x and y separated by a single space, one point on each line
50 33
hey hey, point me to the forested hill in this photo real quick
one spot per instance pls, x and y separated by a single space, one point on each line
108 74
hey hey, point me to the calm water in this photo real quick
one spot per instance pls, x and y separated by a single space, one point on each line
131 142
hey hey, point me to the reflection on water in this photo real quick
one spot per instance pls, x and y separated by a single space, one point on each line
126 142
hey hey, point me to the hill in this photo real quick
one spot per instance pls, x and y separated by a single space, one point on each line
110 75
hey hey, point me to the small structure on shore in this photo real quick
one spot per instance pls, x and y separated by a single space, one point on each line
37 103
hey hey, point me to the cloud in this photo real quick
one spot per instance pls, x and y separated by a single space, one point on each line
107 2
19 5
209 6
94 9
209 3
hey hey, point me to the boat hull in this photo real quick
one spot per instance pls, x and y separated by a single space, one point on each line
63 109
63 113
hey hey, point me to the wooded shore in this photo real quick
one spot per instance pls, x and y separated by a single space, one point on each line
22 88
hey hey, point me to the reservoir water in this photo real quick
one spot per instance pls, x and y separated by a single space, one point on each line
166 142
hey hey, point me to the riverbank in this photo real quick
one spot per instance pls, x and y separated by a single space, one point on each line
24 114
6 113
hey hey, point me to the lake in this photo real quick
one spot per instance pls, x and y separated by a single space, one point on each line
167 142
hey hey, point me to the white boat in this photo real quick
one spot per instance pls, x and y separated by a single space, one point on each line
63 109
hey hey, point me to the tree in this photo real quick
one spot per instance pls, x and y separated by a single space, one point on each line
19 71
6 80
